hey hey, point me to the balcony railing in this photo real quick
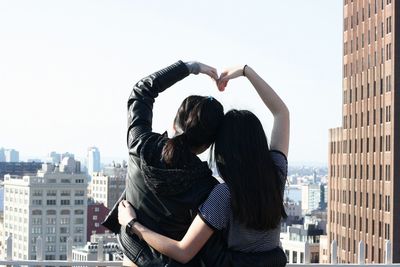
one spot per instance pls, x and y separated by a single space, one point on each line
101 262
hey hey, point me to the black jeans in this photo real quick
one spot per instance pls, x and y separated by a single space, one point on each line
216 253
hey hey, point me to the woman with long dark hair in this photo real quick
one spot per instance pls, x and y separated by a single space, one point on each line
247 209
166 181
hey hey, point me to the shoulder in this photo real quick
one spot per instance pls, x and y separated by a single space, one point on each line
215 211
220 192
150 145
280 161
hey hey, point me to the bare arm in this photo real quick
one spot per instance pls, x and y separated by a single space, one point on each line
281 126
182 251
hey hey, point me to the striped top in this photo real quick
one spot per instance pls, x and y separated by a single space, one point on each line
217 213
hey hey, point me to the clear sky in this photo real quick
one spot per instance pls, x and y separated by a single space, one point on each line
67 67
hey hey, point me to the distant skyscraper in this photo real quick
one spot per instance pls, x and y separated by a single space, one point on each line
54 157
52 205
67 154
93 160
364 154
2 155
11 155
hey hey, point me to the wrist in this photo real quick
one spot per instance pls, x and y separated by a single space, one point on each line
193 66
130 226
244 70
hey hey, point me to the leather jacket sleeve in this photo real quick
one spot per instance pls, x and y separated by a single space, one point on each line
140 103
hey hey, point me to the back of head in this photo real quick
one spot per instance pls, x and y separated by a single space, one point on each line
197 121
243 160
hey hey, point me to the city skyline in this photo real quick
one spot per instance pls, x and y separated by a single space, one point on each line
69 67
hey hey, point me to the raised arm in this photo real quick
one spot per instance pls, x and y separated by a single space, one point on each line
182 251
141 99
281 127
140 102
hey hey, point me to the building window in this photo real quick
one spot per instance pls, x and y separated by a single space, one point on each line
79 212
36 230
50 239
388 83
389 51
78 220
51 202
65 212
78 201
388 25
79 193
51 212
64 230
65 202
37 193
50 230
64 221
373 227
387 172
36 202
388 111
387 203
387 139
52 193
65 193
387 231
51 221
50 257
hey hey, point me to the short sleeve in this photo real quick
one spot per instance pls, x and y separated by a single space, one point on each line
280 162
216 210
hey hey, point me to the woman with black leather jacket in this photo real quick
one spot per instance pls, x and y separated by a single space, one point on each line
166 181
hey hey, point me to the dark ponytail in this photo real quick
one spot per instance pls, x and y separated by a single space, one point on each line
198 119
176 150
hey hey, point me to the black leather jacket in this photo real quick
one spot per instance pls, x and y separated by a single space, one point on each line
165 200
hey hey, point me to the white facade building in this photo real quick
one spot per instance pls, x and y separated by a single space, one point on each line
310 197
106 187
89 252
301 244
51 205
93 160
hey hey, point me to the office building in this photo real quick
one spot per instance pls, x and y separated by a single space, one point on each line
107 186
364 154
301 242
11 155
96 213
93 160
52 205
310 197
